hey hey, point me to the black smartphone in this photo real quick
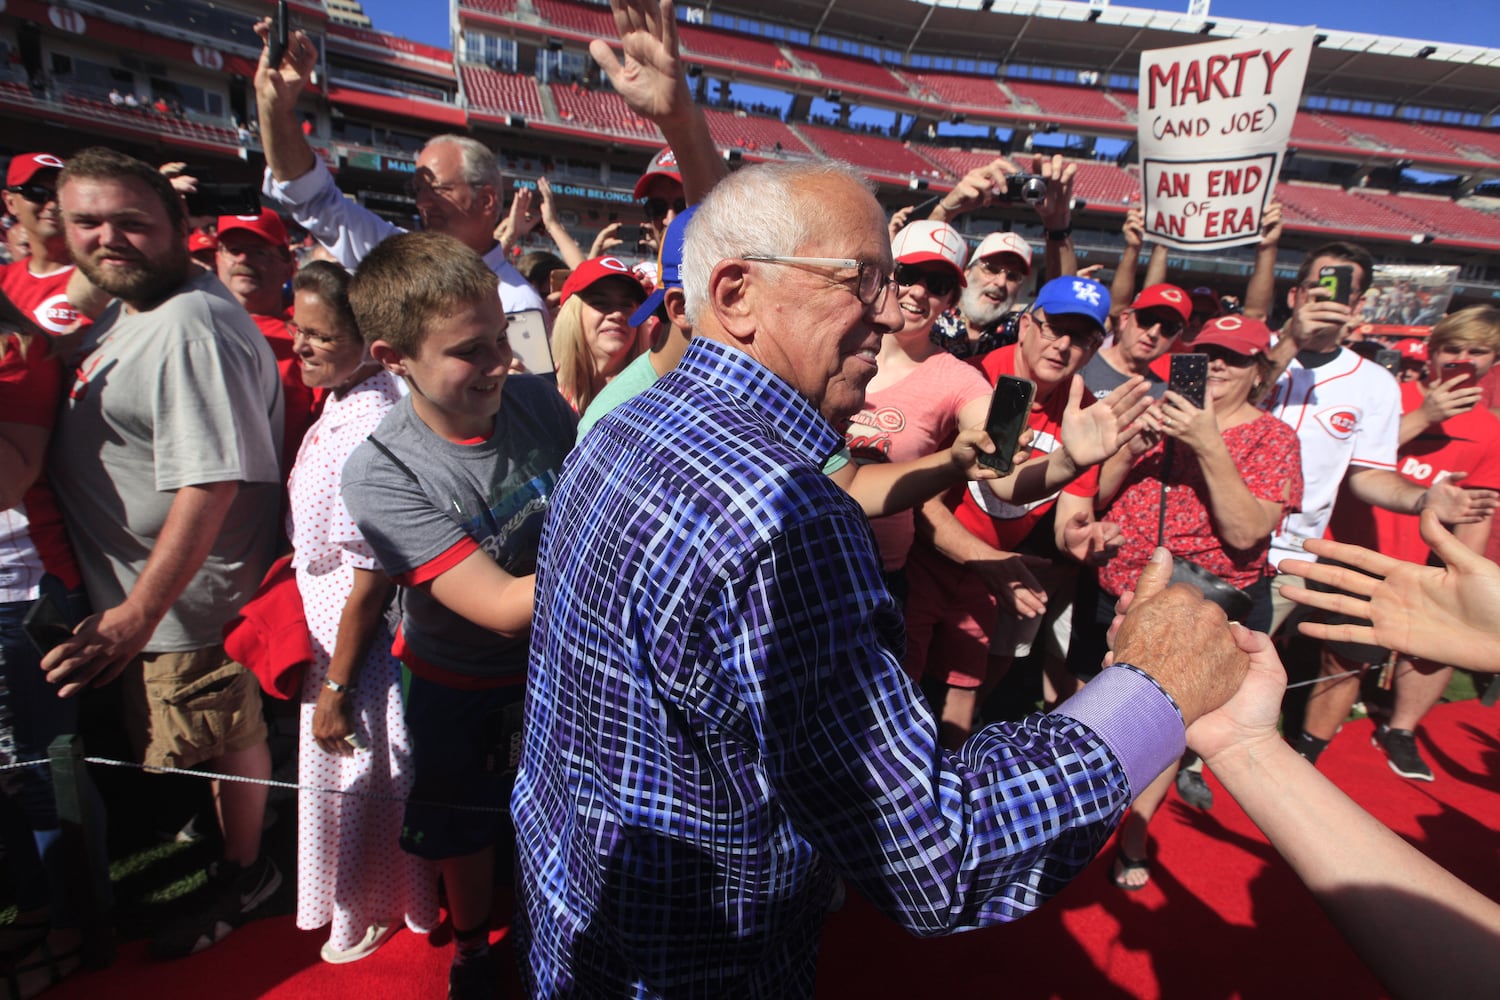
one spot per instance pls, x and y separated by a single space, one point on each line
1339 280
527 333
276 43
1189 377
1010 406
45 626
630 235
1389 359
224 199
1453 369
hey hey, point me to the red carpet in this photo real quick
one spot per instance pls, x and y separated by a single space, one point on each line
1223 917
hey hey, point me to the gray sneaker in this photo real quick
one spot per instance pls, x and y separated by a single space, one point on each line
235 895
1400 746
1194 789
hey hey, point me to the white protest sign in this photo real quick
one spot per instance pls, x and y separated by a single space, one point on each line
1214 120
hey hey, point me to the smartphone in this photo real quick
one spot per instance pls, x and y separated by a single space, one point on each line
224 199
1339 280
45 626
1010 407
630 235
527 333
1453 369
1389 359
276 43
1189 377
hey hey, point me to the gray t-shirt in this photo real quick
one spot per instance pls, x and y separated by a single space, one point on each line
494 493
185 394
1102 379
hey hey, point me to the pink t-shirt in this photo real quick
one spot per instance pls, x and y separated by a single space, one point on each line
913 418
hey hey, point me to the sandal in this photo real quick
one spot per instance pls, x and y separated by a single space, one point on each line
40 970
1124 865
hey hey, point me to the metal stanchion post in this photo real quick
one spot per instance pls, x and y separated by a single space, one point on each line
82 826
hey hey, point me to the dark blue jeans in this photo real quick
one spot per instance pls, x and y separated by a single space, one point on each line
31 717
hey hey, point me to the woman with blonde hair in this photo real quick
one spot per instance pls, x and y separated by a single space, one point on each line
592 339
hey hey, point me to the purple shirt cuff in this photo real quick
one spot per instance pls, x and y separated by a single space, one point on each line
1134 717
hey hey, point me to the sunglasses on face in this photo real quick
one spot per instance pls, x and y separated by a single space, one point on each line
657 208
1170 323
1233 359
937 282
37 194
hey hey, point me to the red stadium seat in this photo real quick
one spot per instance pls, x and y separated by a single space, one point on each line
1064 100
512 93
835 68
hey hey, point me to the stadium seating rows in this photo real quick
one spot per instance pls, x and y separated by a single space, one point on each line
958 90
834 68
753 134
1073 102
877 154
501 7
744 49
601 109
590 19
512 93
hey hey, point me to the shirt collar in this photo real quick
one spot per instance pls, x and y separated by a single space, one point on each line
733 371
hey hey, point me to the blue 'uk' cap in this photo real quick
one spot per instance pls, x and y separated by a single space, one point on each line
669 267
1076 297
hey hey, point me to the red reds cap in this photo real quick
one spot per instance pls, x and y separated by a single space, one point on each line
663 164
199 240
1235 332
26 166
1001 243
267 225
595 270
1414 352
928 242
1165 297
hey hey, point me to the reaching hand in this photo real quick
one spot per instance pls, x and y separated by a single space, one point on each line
1135 227
898 220
182 181
1009 576
1180 639
652 79
277 87
1448 614
1181 421
1092 434
606 240
1270 225
979 188
1246 721
1317 317
549 205
1455 504
964 454
1091 542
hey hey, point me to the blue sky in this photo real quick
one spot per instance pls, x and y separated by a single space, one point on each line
1469 22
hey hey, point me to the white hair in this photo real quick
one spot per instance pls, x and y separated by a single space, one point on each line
756 212
478 160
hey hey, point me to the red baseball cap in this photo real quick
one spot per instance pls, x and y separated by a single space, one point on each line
199 240
26 166
663 164
267 225
1414 352
928 242
1164 297
1208 299
1235 332
595 270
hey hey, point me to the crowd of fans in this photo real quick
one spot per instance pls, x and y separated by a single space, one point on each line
183 400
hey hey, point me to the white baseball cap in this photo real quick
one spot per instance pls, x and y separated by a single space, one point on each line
931 242
999 243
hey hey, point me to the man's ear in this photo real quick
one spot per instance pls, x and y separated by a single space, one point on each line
390 359
675 303
729 290
10 205
492 203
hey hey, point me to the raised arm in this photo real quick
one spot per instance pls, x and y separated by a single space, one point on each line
288 153
1122 288
1260 293
1056 213
652 79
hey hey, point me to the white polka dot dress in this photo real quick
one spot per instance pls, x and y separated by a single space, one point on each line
351 871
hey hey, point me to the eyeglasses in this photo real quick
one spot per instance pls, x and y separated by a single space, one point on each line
37 194
870 284
421 185
937 282
657 208
1086 341
256 251
321 341
1170 324
992 265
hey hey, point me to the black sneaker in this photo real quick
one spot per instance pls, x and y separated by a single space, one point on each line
1310 747
1400 746
235 895
1194 789
474 978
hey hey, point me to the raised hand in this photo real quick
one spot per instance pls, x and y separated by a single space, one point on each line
1092 434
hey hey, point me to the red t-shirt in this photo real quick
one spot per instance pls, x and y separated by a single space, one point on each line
44 298
32 539
1469 442
1004 525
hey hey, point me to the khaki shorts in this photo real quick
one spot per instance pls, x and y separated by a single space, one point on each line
182 709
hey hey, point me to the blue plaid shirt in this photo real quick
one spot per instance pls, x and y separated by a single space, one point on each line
718 725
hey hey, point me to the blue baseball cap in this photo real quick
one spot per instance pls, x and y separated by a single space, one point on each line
669 266
1070 296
